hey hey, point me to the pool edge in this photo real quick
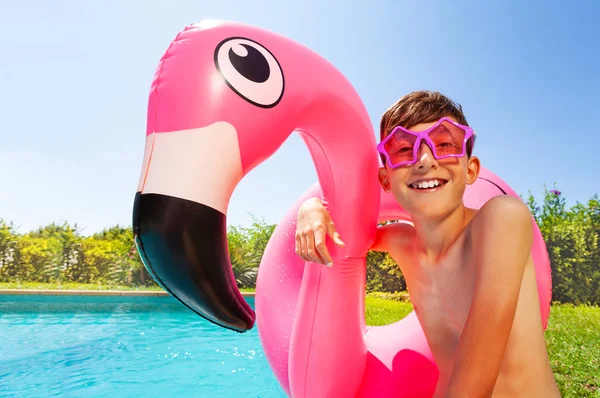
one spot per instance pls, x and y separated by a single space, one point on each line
58 292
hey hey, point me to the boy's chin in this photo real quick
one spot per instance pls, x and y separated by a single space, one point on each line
427 209
428 213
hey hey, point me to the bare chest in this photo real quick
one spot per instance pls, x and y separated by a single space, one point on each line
441 295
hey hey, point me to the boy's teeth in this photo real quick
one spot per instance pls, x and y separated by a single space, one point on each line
426 184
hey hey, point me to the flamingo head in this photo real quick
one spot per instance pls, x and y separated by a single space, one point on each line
224 98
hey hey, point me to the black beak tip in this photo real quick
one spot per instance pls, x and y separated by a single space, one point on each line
183 244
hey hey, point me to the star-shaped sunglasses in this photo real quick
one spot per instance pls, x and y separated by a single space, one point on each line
446 139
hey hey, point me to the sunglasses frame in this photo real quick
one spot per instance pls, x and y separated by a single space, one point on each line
424 135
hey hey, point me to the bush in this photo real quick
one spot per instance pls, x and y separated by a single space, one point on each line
571 237
383 274
395 296
58 253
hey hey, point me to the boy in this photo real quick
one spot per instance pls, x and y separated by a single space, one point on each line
469 272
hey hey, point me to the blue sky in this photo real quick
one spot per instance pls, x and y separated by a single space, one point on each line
75 75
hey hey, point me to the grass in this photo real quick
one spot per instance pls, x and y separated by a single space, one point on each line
572 336
573 340
380 311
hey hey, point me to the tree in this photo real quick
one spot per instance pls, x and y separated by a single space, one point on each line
10 262
383 274
246 248
571 237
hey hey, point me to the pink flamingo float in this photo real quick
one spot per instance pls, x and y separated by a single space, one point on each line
224 98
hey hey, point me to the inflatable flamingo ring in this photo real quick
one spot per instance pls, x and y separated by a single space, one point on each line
224 98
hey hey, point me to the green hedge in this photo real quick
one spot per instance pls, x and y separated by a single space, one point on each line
59 253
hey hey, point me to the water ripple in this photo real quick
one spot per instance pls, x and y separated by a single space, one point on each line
123 347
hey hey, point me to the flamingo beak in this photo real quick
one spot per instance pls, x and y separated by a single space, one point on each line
179 221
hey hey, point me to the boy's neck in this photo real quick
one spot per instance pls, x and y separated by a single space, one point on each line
436 235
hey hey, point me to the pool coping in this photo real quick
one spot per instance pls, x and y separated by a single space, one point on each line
69 292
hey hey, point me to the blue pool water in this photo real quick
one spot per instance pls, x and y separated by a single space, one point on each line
124 347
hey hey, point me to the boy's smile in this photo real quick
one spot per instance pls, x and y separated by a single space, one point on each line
427 184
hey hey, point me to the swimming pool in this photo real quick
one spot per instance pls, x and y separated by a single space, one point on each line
76 346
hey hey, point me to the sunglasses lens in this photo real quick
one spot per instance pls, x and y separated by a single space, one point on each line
400 147
448 139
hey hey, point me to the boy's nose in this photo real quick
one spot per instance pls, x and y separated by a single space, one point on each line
425 157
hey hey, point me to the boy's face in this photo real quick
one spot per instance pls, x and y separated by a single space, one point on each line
448 178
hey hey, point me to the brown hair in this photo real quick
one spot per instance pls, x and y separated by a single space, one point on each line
422 107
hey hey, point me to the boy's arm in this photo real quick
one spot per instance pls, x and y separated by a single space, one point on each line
314 224
502 240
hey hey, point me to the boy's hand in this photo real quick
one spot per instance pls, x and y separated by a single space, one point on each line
313 225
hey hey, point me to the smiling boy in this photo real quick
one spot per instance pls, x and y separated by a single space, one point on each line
469 272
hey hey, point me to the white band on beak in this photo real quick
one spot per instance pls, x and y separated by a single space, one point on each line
202 164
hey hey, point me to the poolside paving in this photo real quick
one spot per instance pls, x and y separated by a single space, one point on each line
65 292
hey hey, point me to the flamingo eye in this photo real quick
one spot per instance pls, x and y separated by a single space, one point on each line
251 71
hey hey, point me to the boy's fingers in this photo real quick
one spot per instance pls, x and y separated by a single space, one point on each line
322 250
303 248
337 239
310 252
300 249
334 234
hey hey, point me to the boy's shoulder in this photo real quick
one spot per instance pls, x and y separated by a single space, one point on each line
502 209
394 236
500 221
400 230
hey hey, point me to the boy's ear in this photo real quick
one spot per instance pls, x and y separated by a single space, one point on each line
473 169
384 179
